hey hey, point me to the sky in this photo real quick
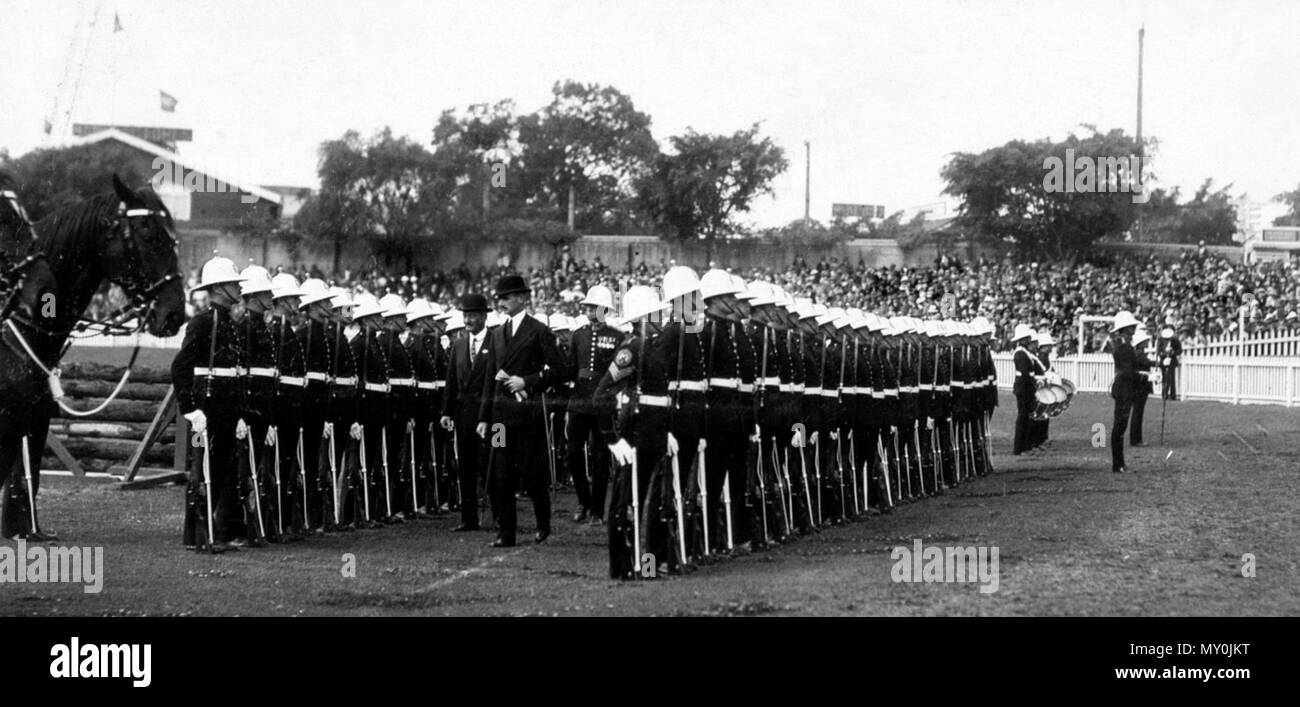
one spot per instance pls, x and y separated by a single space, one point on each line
885 92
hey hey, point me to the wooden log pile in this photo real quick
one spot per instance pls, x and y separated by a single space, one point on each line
111 437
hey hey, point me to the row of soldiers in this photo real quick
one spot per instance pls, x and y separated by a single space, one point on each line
313 410
740 416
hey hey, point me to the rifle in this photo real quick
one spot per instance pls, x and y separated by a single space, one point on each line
279 499
302 479
207 489
436 506
31 492
257 489
410 444
884 471
550 444
383 461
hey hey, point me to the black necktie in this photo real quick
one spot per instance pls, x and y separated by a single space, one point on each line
509 330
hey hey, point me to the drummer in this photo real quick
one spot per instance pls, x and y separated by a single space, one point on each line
1025 385
1038 429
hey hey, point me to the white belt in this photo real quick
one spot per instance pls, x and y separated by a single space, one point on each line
786 387
724 383
439 385
746 387
813 391
891 392
697 386
941 388
830 393
263 372
659 401
346 382
958 384
907 389
377 387
296 381
423 385
927 386
215 372
796 387
401 382
770 380
314 376
878 394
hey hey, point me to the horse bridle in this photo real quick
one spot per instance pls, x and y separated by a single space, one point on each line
142 295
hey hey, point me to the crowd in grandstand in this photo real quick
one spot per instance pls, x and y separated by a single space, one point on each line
1201 295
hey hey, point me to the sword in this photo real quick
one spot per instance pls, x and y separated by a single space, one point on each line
762 492
636 519
782 471
884 471
817 476
853 473
703 483
415 500
334 479
433 458
365 476
807 492
383 461
920 461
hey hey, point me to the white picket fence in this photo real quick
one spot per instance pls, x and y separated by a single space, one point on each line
1267 345
1237 380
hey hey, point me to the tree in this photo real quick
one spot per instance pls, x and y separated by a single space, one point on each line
1017 194
1209 216
907 235
809 233
473 156
590 141
52 178
1292 201
699 189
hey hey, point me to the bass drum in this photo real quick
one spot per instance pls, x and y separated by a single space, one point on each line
1061 398
1044 399
1070 390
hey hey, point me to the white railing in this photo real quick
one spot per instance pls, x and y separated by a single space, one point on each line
1267 345
1256 381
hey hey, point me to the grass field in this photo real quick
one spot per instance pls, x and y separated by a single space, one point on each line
1073 539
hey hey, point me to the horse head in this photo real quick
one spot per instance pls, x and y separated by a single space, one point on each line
141 255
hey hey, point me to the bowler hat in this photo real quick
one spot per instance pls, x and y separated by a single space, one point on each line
473 303
511 284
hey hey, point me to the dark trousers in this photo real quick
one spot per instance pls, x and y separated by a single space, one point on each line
587 460
469 455
1168 386
521 462
226 520
1135 428
1118 426
1024 407
16 514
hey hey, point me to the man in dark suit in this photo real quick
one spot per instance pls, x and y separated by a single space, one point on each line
523 362
1125 387
462 400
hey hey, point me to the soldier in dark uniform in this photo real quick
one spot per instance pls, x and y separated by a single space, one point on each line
1125 386
760 511
1025 386
345 413
590 351
725 428
399 484
429 364
316 340
1170 351
1144 389
205 379
558 399
258 379
286 435
372 410
632 403
810 342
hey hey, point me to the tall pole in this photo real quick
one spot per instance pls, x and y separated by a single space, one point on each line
807 180
1142 30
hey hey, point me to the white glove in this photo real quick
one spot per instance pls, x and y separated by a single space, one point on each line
241 429
355 431
704 444
270 436
622 451
835 435
410 426
447 424
672 444
1165 361
757 436
812 438
198 421
797 440
328 430
929 423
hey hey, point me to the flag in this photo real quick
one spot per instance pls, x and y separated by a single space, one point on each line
167 100
117 23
